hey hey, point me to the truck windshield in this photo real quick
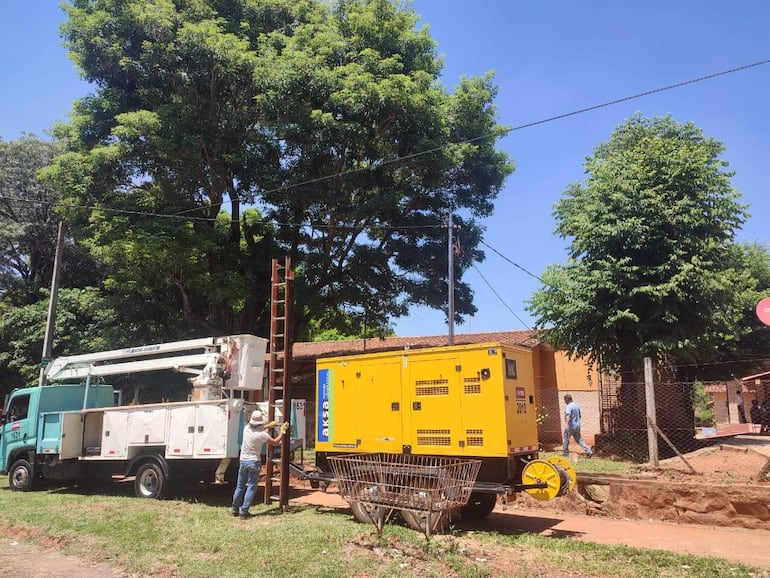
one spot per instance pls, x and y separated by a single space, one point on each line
18 409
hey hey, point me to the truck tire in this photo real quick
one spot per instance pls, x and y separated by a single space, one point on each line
21 476
150 481
479 506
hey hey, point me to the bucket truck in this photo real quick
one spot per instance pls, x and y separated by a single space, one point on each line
71 429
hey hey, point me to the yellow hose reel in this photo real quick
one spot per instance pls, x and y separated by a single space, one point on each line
556 472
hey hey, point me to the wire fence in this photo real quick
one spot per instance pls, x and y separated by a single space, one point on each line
616 419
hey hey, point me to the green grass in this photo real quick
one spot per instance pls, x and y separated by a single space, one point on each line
598 465
197 537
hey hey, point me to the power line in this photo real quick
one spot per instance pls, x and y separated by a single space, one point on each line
511 262
506 131
503 132
500 298
181 216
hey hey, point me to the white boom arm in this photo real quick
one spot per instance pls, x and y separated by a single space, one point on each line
233 362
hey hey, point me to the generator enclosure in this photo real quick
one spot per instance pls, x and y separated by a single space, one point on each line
465 401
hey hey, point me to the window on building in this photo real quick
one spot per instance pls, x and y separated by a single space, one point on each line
510 368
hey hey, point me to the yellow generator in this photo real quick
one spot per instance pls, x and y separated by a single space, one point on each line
466 401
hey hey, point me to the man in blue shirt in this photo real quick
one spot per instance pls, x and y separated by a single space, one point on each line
572 427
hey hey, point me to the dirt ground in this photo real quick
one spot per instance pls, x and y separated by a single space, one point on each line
724 464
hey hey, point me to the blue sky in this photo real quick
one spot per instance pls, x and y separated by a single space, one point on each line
549 58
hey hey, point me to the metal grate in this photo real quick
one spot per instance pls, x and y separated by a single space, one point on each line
472 387
434 437
426 484
433 390
474 438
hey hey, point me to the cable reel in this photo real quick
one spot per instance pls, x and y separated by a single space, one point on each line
557 478
566 465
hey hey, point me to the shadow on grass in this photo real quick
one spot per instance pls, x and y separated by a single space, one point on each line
220 495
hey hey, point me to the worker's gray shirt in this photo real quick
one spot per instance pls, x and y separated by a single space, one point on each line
253 440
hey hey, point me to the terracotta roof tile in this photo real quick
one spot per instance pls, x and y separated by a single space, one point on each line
308 350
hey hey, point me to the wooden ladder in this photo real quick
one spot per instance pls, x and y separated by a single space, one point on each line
279 380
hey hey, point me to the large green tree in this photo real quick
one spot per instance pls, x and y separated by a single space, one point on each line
652 266
310 112
746 354
28 225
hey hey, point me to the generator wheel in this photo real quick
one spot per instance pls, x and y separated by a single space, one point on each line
362 511
418 520
479 506
566 465
557 479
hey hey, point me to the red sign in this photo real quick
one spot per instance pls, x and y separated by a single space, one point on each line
763 310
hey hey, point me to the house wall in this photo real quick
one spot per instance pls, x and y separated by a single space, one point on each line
556 375
590 414
721 414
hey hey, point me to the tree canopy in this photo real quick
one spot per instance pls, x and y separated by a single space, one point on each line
269 128
652 268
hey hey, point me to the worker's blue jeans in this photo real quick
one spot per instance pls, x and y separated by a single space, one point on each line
574 433
246 488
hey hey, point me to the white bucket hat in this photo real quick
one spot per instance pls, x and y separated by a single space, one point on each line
257 418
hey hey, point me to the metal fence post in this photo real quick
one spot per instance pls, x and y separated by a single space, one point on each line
649 395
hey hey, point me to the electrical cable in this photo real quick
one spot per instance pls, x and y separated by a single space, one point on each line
511 262
500 132
182 216
500 298
506 131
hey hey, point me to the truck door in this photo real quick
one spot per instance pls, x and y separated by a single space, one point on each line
19 429
210 431
181 431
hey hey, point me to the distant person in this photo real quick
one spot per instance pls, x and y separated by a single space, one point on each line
739 404
755 413
254 437
765 417
572 427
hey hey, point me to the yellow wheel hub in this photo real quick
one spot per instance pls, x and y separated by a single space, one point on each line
555 478
566 465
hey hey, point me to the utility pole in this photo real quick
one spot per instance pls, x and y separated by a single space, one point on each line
652 425
51 323
451 282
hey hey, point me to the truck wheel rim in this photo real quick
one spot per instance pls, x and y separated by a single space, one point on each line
149 483
20 477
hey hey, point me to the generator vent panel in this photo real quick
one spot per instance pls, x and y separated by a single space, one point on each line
431 387
434 437
474 438
471 385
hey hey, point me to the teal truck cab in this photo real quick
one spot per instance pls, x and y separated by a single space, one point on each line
38 433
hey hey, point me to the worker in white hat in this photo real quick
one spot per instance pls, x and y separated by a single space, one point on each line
254 437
